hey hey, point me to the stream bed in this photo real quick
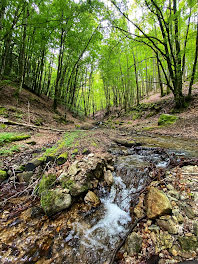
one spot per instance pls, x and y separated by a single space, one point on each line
83 234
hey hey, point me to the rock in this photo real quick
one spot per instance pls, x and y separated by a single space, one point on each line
189 211
168 225
36 212
31 165
166 119
25 176
154 228
62 158
139 208
46 182
82 174
195 228
133 244
3 175
174 194
157 203
92 198
55 200
188 243
73 169
163 241
108 177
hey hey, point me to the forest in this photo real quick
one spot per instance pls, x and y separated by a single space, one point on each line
91 55
98 131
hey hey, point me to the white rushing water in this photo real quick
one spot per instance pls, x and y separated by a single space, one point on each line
106 232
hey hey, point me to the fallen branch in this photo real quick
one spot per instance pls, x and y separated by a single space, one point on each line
124 238
9 122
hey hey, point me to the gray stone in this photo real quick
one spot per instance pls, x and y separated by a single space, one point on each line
55 200
25 176
168 225
133 244
108 177
195 228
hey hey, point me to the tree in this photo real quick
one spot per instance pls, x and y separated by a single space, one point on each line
167 45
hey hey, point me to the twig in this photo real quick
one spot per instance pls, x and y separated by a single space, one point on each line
124 239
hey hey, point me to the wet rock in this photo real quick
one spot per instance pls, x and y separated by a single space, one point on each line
188 243
168 225
81 175
133 244
55 200
3 175
157 203
108 177
139 208
166 119
25 176
92 198
62 158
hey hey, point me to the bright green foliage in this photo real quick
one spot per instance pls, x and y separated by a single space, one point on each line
166 119
9 137
5 151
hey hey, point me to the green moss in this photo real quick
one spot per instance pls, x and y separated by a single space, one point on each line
62 158
47 199
9 150
2 110
46 182
75 151
68 184
166 119
3 126
188 243
9 137
85 151
94 144
3 175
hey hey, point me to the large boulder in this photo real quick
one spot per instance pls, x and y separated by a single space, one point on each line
157 203
82 174
55 200
166 119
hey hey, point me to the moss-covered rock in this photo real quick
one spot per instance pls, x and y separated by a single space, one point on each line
166 119
133 244
53 201
62 158
25 176
3 175
75 151
46 183
31 165
188 243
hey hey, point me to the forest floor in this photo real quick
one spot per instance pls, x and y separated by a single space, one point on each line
82 136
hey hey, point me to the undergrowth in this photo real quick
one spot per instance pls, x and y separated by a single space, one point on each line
7 137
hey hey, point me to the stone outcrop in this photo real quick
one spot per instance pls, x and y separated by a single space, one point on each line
157 203
55 200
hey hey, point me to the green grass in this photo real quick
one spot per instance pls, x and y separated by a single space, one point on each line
8 151
9 137
66 142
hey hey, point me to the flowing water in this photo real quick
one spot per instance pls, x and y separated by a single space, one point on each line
90 236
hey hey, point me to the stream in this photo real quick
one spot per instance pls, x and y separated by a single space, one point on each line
90 236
